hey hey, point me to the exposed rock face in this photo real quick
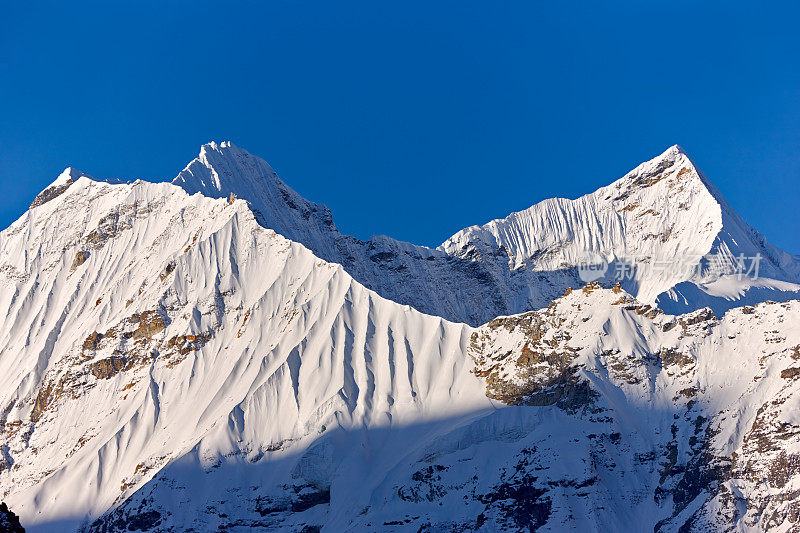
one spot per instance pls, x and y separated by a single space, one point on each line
50 193
147 324
712 475
106 368
9 522
56 189
80 258
108 227
542 370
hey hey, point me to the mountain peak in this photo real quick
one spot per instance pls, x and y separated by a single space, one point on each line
659 167
222 169
62 182
669 178
675 148
69 174
211 152
214 145
663 211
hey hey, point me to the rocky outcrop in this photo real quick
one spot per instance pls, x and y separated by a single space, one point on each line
702 481
9 522
535 368
109 367
148 324
80 258
51 193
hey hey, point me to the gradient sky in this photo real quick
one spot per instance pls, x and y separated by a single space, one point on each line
411 119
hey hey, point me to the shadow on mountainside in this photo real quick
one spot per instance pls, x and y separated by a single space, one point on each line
516 468
9 522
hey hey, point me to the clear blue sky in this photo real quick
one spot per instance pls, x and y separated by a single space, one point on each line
411 119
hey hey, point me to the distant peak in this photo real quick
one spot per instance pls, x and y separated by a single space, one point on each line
62 182
222 168
218 146
674 149
69 174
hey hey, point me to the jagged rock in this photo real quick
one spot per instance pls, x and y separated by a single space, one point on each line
107 368
48 393
80 258
92 342
167 270
790 373
9 522
149 324
56 189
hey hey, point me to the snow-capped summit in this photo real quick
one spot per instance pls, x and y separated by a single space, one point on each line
69 174
61 183
660 207
222 170
664 222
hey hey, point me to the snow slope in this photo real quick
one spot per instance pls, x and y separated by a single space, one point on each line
618 418
168 361
185 319
663 211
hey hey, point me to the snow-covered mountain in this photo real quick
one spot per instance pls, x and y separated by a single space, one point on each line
663 210
213 355
664 220
430 280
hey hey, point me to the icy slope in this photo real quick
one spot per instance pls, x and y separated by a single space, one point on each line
158 323
619 418
664 219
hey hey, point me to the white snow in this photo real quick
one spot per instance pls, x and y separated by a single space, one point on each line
229 362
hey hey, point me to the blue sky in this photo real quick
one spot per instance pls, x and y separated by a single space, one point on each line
411 119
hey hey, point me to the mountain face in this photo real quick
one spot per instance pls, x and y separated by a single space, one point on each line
437 283
212 354
662 210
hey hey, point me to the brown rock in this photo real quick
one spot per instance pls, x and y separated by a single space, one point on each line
107 368
80 258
